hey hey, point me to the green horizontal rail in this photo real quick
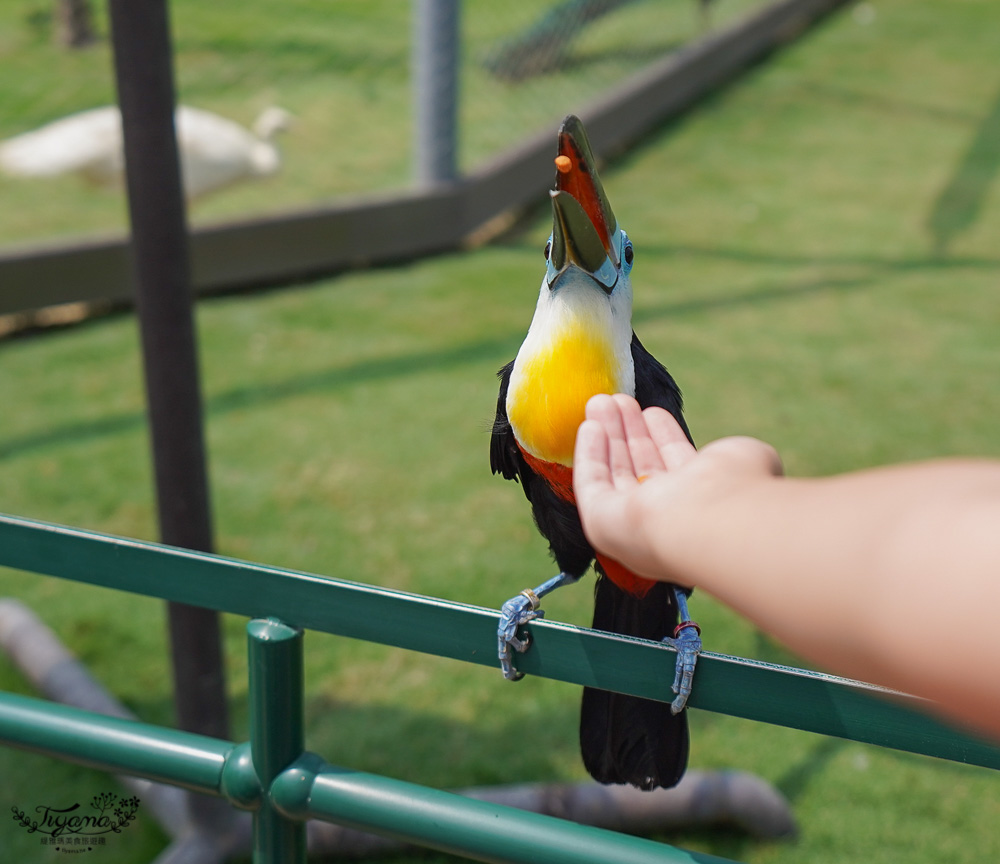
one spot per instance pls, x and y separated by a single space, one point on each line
757 691
164 755
477 829
309 788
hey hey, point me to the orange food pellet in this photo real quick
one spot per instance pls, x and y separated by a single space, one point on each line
564 163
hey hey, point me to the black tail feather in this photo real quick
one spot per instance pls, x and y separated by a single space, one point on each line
625 739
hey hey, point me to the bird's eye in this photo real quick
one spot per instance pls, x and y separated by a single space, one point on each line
627 253
548 248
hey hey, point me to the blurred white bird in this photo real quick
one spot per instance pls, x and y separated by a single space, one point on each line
214 151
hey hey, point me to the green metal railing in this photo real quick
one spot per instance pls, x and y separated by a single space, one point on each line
284 786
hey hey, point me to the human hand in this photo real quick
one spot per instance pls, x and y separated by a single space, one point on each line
645 494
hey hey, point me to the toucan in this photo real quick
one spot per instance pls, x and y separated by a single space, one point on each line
581 343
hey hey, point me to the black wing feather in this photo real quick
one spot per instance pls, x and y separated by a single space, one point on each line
654 385
557 520
505 457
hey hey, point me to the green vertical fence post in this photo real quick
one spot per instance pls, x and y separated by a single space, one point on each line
276 733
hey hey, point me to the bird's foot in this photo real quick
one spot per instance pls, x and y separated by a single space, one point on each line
686 641
520 610
515 612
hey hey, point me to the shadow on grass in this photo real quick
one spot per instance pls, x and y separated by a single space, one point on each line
514 744
797 779
958 206
785 259
323 381
880 103
865 271
503 348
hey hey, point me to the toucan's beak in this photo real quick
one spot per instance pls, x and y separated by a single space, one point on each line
583 225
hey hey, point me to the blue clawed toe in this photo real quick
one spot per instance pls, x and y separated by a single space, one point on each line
686 641
520 610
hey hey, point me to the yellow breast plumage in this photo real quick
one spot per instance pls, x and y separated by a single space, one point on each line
551 384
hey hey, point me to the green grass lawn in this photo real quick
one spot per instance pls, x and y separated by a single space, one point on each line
816 261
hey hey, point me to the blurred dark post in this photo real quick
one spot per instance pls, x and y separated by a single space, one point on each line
144 76
435 83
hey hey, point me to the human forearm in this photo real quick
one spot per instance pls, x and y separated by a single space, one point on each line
889 575
854 572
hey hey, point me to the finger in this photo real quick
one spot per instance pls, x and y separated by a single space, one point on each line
667 435
606 411
593 484
591 465
644 453
598 500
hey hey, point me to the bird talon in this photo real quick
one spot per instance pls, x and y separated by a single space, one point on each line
520 645
506 666
686 641
515 612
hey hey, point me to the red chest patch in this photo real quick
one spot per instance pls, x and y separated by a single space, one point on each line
560 479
